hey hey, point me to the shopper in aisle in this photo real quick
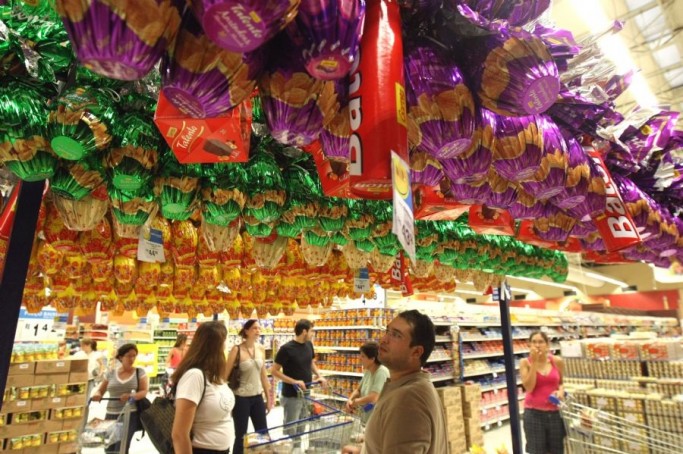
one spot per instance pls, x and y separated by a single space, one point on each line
542 378
250 357
204 402
97 365
295 366
375 376
124 382
408 418
177 352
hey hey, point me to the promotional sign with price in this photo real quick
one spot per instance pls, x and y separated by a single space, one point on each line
151 246
35 327
361 282
404 221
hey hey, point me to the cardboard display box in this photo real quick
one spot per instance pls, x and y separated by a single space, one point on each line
21 369
53 367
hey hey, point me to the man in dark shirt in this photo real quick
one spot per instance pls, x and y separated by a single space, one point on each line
295 366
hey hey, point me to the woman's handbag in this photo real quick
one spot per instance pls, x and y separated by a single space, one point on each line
234 378
144 403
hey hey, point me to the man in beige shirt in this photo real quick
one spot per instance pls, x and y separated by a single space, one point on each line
408 418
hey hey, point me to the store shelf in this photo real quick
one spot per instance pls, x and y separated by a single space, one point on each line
330 328
341 349
443 339
500 370
439 360
165 338
490 355
347 374
444 378
496 421
444 323
499 404
484 338
499 386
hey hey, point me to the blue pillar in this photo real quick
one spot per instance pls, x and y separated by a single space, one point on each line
510 371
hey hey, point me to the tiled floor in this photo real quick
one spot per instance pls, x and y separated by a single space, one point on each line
493 438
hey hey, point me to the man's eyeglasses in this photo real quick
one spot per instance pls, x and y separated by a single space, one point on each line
394 333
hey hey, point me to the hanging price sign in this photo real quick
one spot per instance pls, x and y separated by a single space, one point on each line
404 221
151 246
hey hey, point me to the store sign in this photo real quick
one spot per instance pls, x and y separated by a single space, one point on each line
361 282
404 222
37 327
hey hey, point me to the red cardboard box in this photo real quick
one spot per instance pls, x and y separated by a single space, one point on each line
432 204
334 175
526 233
205 140
487 221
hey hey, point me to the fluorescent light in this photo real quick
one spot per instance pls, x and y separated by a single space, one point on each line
606 279
539 281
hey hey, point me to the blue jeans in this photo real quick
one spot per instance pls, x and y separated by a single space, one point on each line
248 407
296 408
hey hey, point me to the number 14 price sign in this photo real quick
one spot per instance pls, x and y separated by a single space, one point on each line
35 327
404 222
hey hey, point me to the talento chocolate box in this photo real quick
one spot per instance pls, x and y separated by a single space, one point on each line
487 221
432 204
334 176
205 140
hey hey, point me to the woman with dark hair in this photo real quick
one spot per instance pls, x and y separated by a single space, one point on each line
542 375
370 386
250 357
203 402
177 352
124 382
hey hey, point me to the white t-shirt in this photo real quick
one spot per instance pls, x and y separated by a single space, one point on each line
213 427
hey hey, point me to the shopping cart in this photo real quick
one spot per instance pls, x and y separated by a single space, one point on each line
327 431
100 434
592 431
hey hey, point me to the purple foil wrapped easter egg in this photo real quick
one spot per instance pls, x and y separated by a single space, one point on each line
334 138
243 25
201 79
501 192
518 149
120 40
595 200
331 31
593 242
584 228
514 12
526 206
470 194
424 169
512 76
441 111
296 105
549 180
554 225
578 176
472 166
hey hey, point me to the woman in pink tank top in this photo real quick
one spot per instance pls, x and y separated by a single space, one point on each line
542 377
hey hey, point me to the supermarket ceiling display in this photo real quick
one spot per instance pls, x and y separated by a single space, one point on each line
256 137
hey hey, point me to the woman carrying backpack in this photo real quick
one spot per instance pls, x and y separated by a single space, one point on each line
203 401
119 383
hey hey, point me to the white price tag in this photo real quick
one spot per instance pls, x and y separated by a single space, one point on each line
151 245
361 282
404 221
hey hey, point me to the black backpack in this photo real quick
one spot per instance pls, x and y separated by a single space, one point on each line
157 420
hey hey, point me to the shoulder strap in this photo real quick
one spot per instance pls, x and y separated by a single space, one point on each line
137 377
204 390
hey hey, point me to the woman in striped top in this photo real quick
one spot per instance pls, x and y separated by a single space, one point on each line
124 382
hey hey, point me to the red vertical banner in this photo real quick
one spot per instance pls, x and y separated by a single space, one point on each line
615 225
377 102
401 276
6 223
